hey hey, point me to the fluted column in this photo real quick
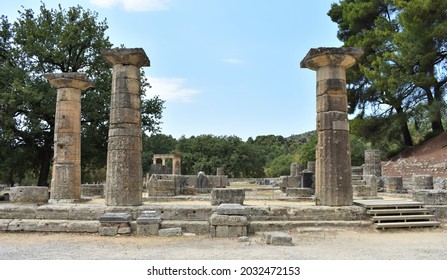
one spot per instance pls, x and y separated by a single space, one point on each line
333 185
66 172
124 181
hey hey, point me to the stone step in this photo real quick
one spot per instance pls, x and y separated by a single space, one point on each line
356 177
398 211
257 226
403 218
376 204
197 227
359 183
408 224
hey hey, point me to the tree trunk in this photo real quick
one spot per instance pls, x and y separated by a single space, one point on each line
402 119
434 111
45 162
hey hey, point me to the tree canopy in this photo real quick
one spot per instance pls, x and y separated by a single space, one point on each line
54 40
398 88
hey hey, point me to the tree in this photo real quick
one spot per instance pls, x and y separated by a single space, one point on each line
404 61
56 40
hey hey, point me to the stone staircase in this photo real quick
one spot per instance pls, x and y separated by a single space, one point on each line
398 214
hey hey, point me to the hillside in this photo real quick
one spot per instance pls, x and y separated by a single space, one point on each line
429 157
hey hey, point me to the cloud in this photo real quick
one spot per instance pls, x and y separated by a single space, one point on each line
172 89
135 5
233 61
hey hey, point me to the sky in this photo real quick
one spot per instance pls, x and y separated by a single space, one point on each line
224 67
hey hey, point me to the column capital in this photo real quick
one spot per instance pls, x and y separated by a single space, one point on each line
135 56
341 57
69 80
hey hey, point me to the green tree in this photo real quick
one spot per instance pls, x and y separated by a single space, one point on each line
403 65
55 40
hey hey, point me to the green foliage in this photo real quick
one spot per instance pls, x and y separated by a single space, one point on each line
307 150
280 166
54 40
399 84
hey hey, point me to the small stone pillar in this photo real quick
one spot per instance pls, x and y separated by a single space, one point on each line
373 163
229 221
66 172
148 223
124 180
333 155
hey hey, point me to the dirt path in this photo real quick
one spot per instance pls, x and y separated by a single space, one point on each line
309 244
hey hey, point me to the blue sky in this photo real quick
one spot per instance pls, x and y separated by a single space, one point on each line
224 67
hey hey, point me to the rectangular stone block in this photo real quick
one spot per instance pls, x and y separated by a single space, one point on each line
222 231
331 102
231 209
332 86
126 100
125 115
128 142
115 218
14 211
277 238
237 231
299 192
108 231
83 226
4 224
147 229
167 232
23 225
217 220
332 121
219 196
53 211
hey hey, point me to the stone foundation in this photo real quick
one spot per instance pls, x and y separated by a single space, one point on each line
431 197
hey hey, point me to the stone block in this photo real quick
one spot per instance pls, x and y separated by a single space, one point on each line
149 217
167 232
277 238
4 224
226 220
299 192
222 231
108 230
82 226
231 209
237 231
147 229
393 184
294 181
113 218
219 196
421 182
124 230
53 211
29 194
431 197
23 225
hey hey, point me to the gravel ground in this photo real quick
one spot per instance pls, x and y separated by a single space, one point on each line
308 244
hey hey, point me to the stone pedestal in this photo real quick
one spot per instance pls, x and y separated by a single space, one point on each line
29 194
148 223
333 156
66 174
124 180
228 221
112 224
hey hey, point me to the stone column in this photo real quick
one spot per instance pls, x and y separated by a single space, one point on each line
373 163
124 180
333 156
66 172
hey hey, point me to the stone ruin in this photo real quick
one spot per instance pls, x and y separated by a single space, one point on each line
332 178
173 185
300 183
